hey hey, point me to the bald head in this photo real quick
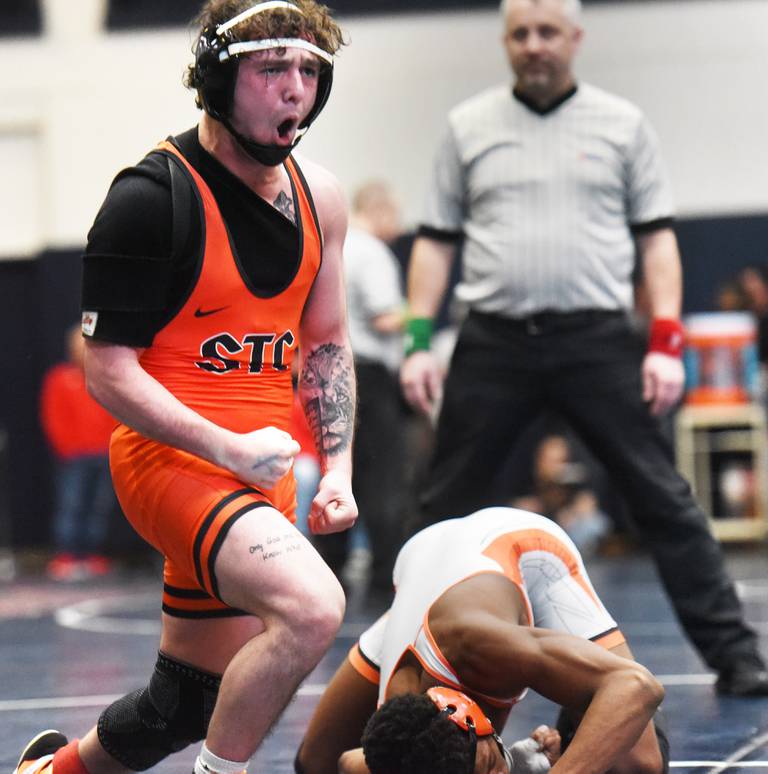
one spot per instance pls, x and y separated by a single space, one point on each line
571 8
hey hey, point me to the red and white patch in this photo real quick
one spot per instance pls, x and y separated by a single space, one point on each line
88 323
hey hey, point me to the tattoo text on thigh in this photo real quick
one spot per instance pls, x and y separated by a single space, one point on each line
327 378
276 545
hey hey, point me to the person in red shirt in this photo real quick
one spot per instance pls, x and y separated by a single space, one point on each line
77 429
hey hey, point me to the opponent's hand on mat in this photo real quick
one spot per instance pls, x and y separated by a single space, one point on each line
663 380
334 508
421 378
261 457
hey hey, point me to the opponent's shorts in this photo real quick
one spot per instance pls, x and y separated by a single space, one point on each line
184 507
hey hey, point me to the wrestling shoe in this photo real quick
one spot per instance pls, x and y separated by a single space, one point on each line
746 681
38 754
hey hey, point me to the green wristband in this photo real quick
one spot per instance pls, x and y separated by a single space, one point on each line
418 334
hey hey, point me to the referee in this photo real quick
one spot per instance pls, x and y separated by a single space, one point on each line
552 186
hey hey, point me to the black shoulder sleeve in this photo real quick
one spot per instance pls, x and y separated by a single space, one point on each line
127 265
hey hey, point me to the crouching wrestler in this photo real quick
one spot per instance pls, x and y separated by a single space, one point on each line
489 606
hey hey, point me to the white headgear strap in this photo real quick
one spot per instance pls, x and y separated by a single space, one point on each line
261 45
243 47
269 5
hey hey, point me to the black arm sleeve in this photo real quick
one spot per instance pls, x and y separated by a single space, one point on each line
127 265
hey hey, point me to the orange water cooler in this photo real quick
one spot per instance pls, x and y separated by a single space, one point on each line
720 432
720 357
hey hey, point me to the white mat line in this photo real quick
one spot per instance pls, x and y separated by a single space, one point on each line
96 615
706 678
719 765
737 756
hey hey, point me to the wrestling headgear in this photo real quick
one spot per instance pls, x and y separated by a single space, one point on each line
215 74
468 716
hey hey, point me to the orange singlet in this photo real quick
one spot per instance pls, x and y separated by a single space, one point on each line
227 354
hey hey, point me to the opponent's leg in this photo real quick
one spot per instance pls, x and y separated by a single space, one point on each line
338 721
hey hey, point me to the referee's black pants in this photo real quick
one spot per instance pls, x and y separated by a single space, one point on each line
586 366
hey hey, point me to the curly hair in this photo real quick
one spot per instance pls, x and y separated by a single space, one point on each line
409 735
314 24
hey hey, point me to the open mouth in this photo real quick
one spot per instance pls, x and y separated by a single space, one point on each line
287 129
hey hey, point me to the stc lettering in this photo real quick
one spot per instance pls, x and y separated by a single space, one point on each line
264 348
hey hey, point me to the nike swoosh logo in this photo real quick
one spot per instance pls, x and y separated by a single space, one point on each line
200 313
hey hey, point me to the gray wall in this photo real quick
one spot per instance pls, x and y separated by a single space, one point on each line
81 103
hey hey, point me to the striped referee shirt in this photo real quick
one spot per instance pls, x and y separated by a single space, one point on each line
548 202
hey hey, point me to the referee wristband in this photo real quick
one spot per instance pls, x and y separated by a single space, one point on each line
667 337
418 334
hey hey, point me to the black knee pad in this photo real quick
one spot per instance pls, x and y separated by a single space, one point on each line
172 712
297 767
660 724
567 729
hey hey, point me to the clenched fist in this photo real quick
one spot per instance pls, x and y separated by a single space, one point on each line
334 508
261 457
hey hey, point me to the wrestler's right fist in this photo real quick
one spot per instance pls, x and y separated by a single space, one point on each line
261 457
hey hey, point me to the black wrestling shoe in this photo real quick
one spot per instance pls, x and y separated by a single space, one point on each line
38 753
746 681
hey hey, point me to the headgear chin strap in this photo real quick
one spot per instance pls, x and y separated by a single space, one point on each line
467 715
215 74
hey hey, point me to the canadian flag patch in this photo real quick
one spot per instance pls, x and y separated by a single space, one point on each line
88 323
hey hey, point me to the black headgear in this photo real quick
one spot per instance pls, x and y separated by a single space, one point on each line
215 74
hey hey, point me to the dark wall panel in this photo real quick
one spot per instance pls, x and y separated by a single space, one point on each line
20 17
124 14
28 463
713 250
39 299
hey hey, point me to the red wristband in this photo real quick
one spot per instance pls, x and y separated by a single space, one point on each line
667 336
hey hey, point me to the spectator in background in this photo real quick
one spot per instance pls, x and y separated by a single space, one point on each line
375 306
554 186
561 491
77 429
753 282
730 297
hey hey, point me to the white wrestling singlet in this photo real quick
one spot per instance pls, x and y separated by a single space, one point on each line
531 551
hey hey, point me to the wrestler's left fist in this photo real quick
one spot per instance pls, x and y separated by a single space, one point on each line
334 508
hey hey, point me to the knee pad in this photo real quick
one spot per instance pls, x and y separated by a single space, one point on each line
567 729
172 712
297 766
660 724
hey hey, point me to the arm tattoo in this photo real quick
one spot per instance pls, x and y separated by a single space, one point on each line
328 383
284 204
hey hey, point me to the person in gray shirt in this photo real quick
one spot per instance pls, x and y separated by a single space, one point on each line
375 308
552 186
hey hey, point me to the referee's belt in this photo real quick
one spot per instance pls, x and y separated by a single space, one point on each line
547 320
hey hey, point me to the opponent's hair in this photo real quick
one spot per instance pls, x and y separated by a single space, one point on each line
572 9
409 735
314 24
